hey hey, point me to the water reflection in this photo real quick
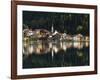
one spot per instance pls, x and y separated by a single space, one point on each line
55 54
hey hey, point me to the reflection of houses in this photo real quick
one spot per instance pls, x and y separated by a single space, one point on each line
78 45
36 47
42 47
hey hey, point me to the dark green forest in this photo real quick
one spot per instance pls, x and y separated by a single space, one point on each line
70 23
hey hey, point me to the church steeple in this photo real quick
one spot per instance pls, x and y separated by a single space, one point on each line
52 29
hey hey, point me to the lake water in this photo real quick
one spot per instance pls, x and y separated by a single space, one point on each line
41 54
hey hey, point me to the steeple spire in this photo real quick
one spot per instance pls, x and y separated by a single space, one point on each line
52 29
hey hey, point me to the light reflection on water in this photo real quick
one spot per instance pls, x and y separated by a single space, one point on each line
55 54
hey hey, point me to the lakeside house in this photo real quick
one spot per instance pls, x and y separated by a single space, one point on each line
86 38
78 37
43 34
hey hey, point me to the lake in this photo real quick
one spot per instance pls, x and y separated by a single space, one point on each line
42 54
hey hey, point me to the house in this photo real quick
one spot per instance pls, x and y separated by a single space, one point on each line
86 38
28 32
78 37
55 36
41 33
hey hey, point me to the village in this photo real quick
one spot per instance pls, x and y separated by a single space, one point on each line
53 35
